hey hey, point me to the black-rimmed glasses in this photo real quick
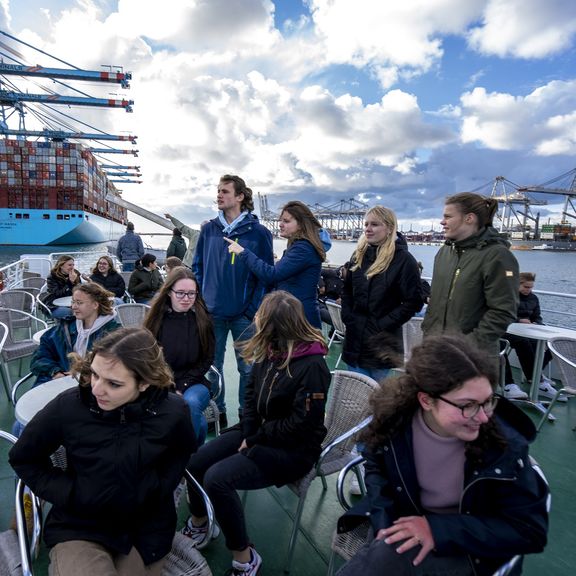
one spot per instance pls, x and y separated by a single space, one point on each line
471 409
180 294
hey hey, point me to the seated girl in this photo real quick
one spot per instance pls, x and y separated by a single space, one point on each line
180 322
107 276
146 280
280 435
59 284
127 441
450 488
93 317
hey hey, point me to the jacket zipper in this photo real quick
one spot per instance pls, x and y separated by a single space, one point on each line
402 480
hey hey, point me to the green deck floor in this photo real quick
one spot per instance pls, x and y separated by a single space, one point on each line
269 512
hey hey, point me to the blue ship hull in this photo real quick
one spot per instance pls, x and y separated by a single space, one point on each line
62 227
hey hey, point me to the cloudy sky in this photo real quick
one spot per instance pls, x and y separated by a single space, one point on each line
398 102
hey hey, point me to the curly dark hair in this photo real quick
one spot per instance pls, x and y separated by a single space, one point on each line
240 188
437 366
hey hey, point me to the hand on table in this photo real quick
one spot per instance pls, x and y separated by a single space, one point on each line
411 531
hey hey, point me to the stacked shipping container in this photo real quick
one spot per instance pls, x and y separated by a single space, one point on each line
54 176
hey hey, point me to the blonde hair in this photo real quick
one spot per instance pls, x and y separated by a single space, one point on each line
385 250
99 294
280 326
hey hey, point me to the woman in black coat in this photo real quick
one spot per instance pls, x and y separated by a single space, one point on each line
127 441
106 275
280 435
382 291
450 486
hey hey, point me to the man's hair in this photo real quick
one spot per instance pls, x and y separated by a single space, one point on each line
240 188
527 277
130 226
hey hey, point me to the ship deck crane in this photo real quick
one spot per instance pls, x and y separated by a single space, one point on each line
11 98
62 135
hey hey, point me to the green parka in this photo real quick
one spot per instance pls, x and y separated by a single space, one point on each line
474 289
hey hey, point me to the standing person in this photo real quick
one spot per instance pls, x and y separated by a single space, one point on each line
470 499
179 320
177 246
528 313
107 276
298 271
279 438
232 292
382 291
146 280
475 278
127 441
129 248
93 317
59 284
192 237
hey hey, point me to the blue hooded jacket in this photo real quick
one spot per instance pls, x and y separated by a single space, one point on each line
228 286
297 272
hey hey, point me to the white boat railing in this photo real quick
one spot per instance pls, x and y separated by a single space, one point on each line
14 274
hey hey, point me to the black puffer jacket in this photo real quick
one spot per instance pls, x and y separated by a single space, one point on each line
183 352
58 286
123 466
529 309
113 282
283 418
374 309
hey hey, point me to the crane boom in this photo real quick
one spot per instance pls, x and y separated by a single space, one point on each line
140 211
61 135
11 98
121 78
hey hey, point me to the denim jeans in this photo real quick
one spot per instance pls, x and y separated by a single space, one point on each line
374 373
241 329
62 312
128 266
197 397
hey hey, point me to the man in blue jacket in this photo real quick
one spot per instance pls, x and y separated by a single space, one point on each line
129 248
232 293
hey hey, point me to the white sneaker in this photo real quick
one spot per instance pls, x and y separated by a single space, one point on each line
548 391
355 486
514 392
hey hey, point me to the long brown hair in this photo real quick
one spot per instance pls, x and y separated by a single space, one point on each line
136 348
112 270
309 226
55 271
280 326
386 250
162 302
437 366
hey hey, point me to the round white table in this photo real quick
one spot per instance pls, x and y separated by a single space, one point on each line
36 398
541 333
37 335
65 301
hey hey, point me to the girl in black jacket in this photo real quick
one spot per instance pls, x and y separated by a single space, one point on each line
450 486
127 441
106 275
382 291
63 277
182 325
280 435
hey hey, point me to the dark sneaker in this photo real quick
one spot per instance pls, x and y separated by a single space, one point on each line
198 534
249 569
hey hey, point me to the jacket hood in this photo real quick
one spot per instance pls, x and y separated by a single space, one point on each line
325 239
489 235
245 226
516 422
303 349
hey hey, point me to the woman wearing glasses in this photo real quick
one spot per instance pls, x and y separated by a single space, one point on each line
182 325
450 486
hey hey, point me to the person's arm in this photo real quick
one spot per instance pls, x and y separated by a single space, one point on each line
266 254
307 412
119 247
409 285
138 284
120 285
190 233
30 456
378 492
501 294
516 518
46 360
198 261
140 246
57 288
347 298
536 316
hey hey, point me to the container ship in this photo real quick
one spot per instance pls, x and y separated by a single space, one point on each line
557 237
54 193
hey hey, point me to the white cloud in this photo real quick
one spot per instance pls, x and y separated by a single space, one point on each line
525 28
541 122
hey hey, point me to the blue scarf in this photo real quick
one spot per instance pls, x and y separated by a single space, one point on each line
229 228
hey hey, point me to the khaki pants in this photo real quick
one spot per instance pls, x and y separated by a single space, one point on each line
92 559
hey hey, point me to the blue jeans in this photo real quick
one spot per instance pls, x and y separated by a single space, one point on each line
241 330
62 312
374 373
128 266
197 397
